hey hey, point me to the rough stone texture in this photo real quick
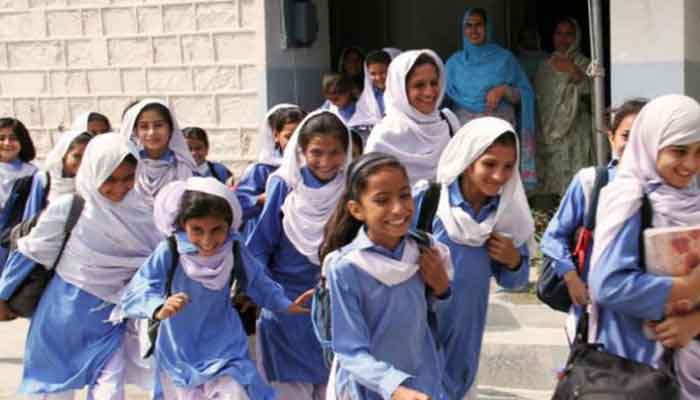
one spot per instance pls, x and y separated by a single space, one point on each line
59 58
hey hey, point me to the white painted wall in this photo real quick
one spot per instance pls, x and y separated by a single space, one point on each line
59 58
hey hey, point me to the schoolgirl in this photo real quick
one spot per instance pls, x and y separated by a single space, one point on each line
77 325
557 239
274 133
163 153
16 153
203 216
484 218
369 108
92 122
414 130
350 64
377 274
661 162
301 195
198 142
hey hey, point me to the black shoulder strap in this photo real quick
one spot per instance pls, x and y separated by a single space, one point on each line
172 244
19 194
47 190
449 125
428 208
213 170
238 273
76 208
601 179
647 214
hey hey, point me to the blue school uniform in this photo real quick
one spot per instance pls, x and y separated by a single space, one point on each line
252 185
209 319
557 239
381 336
379 96
345 113
290 350
627 296
216 170
461 324
59 358
37 196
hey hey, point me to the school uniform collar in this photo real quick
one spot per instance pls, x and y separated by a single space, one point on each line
16 163
310 179
458 200
363 242
168 155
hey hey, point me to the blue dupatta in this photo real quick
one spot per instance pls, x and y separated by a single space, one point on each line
472 72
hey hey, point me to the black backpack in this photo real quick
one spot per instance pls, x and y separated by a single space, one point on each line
551 289
25 299
238 283
15 204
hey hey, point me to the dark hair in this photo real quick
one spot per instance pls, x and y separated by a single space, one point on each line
95 116
27 152
357 141
422 59
506 139
128 107
160 109
196 133
195 204
378 57
333 83
345 53
617 114
83 138
131 160
323 124
561 20
479 11
342 227
284 116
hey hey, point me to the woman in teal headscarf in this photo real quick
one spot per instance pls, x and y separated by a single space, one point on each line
486 79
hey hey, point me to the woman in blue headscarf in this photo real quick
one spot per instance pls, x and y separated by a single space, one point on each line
486 79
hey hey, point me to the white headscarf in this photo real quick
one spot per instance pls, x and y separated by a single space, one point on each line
213 272
513 215
367 110
393 52
154 174
665 121
53 165
80 123
416 139
306 210
110 241
267 153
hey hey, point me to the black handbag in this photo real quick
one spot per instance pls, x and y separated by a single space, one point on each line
593 374
551 288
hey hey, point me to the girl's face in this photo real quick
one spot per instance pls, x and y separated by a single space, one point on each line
72 159
564 36
487 175
282 137
118 185
475 29
198 149
385 207
324 156
9 145
207 233
423 88
97 127
618 139
678 165
339 100
153 131
352 63
377 74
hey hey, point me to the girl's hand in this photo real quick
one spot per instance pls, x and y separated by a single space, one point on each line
173 305
578 291
261 199
298 306
5 313
677 331
494 96
502 250
433 272
404 393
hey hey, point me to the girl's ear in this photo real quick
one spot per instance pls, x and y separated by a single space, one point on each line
356 210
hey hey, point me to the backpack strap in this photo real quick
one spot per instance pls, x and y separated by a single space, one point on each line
601 179
449 125
212 170
238 272
647 214
428 208
76 208
172 245
47 190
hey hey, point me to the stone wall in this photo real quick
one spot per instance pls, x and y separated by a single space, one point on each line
59 58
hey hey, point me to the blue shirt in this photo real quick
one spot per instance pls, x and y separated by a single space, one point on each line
461 324
248 189
290 350
216 170
345 113
379 96
208 318
381 336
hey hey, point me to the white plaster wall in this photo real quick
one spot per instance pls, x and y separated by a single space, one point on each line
59 58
